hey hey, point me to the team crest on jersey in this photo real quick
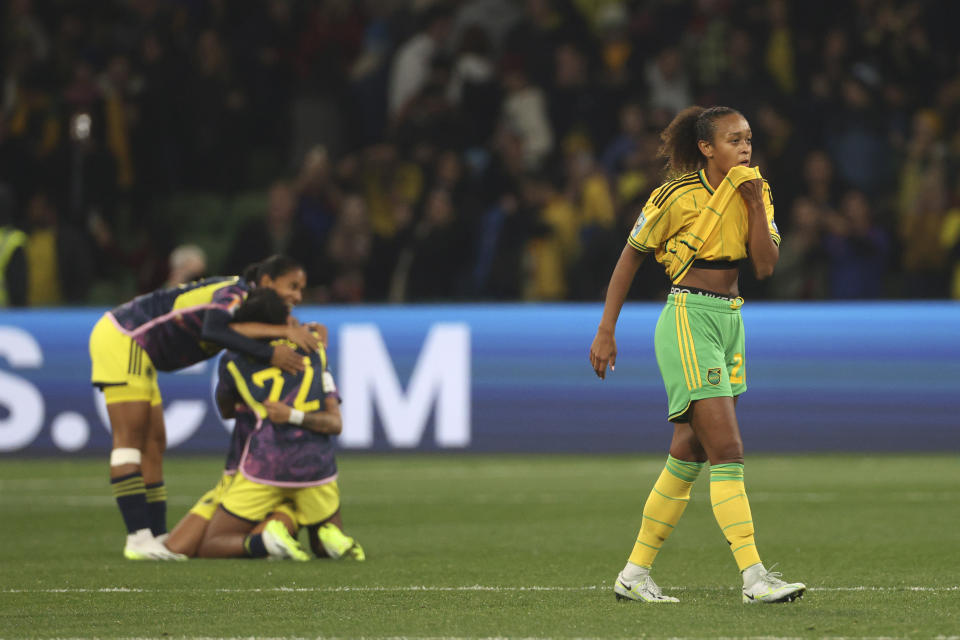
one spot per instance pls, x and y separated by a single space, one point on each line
713 375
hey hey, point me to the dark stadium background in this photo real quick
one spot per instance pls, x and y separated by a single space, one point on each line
478 150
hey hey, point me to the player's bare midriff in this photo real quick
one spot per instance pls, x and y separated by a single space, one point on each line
722 281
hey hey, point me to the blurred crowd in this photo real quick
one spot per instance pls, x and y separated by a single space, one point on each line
467 149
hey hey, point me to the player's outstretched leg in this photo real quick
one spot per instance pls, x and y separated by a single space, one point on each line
760 585
280 544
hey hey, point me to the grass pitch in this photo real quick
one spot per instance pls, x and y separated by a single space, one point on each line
499 546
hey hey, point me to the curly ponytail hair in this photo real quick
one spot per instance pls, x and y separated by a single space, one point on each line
681 137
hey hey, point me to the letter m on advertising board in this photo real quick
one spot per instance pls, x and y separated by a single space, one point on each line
440 380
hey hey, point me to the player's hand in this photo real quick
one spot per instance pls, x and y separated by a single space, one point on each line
603 351
320 330
752 191
301 336
287 359
277 412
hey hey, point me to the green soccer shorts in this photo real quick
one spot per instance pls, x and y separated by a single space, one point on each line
699 343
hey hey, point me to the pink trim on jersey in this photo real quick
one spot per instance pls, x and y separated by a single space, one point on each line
289 485
149 325
274 483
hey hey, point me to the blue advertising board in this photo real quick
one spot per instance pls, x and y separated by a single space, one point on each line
821 377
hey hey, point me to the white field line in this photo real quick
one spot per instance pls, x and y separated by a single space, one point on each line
434 588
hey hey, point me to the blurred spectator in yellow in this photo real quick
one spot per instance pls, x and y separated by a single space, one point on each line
13 262
554 243
59 265
924 257
388 179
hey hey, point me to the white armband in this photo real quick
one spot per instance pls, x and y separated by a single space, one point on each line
296 416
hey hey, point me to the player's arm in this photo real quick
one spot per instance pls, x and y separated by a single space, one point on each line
327 421
226 393
300 335
218 330
604 347
763 251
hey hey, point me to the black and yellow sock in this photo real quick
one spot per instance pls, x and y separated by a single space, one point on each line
663 508
131 496
253 545
732 511
157 507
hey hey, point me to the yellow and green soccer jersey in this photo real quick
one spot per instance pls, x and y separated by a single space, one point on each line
672 210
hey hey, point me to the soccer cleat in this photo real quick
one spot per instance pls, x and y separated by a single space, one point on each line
769 588
645 590
280 544
337 544
356 552
143 546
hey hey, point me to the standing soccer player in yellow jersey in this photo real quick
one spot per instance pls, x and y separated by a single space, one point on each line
700 226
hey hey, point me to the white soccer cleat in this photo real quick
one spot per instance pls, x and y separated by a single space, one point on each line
141 545
280 544
645 590
769 588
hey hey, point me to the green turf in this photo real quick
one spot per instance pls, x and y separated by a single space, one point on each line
499 546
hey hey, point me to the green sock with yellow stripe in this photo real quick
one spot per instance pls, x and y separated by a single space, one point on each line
732 511
663 508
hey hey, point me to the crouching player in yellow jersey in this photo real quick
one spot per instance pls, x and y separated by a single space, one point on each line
287 472
700 226
166 330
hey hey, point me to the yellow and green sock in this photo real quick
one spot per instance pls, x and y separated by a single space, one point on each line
732 511
664 506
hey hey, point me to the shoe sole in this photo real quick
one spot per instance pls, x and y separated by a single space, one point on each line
789 597
137 556
623 598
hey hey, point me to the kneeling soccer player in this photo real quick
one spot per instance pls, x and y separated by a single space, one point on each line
287 465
